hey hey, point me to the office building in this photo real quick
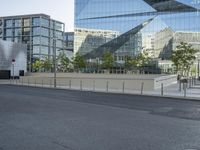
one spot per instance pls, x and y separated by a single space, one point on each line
41 34
134 20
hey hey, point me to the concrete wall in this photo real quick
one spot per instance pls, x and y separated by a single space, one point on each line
101 81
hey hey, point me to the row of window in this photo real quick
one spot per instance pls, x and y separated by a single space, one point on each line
35 31
9 23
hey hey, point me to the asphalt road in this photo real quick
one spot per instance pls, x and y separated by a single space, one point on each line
48 119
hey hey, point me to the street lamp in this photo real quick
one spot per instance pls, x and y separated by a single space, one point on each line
198 69
54 61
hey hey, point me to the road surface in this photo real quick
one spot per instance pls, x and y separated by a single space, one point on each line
48 119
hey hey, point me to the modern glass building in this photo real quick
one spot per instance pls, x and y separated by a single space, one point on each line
155 26
41 34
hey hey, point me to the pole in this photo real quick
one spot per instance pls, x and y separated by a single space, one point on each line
198 69
142 88
54 61
162 89
13 72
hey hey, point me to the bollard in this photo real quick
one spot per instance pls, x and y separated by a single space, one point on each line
42 82
107 86
50 83
28 82
10 81
179 85
22 81
142 88
123 87
94 85
190 83
184 85
35 82
70 84
81 85
162 89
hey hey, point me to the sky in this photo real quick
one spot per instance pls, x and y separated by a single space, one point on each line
61 10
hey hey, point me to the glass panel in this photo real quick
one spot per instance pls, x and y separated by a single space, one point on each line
45 22
44 41
44 50
36 31
18 23
44 32
36 40
26 31
36 21
9 32
17 39
8 23
59 35
26 22
59 43
36 49
8 39
58 26
155 26
18 32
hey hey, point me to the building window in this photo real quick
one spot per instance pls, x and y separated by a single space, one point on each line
36 31
18 32
8 23
36 40
45 22
44 50
9 32
36 49
26 22
44 32
36 21
18 23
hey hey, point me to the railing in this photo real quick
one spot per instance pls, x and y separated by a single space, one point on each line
97 85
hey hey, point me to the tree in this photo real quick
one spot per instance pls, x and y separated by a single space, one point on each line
108 60
63 62
37 65
47 64
183 58
141 60
128 62
78 62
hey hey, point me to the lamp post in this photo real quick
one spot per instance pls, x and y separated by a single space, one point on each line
54 62
198 69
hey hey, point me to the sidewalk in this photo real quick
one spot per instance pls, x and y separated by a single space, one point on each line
169 91
173 90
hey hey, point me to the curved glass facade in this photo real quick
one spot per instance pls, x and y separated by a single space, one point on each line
129 27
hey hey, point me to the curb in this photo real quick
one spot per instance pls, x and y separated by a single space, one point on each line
119 93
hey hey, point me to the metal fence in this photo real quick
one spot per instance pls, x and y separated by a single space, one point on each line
107 86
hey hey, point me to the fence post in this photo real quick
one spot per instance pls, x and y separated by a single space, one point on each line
184 85
107 86
81 88
180 85
70 84
123 87
142 88
35 82
94 85
162 89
